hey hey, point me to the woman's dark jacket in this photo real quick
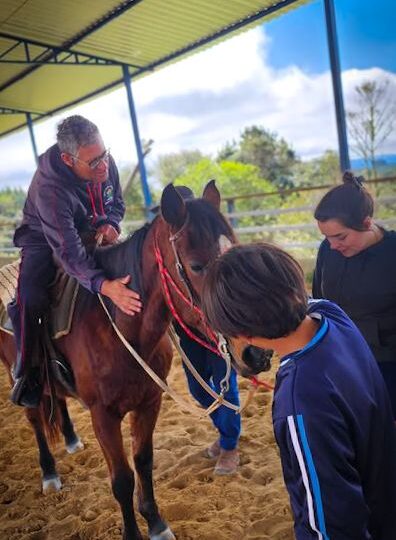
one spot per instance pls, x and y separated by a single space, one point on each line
364 286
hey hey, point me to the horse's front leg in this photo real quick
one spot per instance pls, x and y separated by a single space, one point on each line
108 432
143 421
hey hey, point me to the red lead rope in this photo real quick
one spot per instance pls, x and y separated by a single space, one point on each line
255 382
165 278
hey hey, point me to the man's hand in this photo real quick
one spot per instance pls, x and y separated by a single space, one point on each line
109 233
128 301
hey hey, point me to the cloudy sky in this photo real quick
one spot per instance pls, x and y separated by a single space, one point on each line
276 75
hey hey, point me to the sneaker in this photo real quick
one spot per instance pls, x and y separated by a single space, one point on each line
228 462
213 451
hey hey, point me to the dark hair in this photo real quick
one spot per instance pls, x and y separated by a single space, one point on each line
349 203
76 131
255 290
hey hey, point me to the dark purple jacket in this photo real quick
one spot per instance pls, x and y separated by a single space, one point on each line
60 207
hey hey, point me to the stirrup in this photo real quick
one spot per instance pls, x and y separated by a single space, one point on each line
26 394
64 375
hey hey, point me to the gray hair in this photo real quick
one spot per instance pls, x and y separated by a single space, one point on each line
76 131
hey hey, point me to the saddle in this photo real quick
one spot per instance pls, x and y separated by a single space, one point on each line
63 294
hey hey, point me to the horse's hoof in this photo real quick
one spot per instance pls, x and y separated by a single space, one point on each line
75 446
51 484
167 534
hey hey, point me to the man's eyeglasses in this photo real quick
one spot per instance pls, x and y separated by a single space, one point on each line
95 162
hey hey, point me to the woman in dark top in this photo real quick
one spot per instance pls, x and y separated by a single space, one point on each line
356 268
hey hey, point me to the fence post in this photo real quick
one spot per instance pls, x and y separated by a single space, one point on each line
230 210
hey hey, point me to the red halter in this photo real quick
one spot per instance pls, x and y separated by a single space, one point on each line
166 278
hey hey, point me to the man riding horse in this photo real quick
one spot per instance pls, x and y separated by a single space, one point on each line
75 192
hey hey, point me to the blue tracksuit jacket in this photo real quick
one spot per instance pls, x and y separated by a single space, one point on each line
334 426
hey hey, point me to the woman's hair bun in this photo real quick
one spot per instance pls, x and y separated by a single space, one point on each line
350 178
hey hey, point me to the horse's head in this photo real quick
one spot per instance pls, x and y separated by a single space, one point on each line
198 233
247 359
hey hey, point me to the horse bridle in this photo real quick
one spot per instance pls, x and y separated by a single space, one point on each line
181 272
221 347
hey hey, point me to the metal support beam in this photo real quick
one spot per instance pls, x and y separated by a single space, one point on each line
142 169
31 133
345 163
113 14
11 110
25 51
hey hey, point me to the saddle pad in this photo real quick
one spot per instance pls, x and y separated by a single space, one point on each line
8 284
63 298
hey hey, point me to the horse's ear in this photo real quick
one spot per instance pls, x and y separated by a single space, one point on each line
212 194
173 207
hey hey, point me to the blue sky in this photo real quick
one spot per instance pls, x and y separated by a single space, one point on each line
366 35
275 75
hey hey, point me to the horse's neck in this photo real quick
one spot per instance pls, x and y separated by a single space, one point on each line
148 328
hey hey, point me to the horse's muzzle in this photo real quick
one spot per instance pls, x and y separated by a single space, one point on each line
255 360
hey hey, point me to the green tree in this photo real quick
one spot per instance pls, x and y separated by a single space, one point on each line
233 179
272 155
170 166
372 120
319 171
11 202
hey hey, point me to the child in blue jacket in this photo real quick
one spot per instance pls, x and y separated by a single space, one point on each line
332 416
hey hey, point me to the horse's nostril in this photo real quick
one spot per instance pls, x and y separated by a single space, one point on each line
257 359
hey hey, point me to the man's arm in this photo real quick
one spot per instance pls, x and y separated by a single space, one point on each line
57 219
125 299
109 227
116 214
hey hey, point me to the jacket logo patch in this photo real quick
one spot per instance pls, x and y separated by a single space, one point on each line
108 195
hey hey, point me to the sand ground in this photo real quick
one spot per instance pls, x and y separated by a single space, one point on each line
251 505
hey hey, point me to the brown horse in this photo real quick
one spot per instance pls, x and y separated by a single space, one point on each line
108 380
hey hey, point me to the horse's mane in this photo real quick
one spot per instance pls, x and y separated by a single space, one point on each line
206 224
125 258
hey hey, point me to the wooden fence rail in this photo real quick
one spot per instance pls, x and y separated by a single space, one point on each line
271 232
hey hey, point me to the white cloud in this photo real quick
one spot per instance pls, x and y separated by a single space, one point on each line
207 99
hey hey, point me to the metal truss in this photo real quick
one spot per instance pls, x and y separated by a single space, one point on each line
31 52
11 110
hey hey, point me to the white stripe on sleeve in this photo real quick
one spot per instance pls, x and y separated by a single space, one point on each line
301 462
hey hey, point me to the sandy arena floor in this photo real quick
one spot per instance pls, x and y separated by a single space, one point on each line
252 505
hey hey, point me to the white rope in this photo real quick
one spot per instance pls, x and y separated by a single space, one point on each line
186 405
238 409
197 376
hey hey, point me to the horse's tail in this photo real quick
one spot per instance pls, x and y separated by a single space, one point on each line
51 418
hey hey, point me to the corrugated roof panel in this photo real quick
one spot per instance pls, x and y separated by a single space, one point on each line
54 22
11 121
7 71
51 86
155 28
144 33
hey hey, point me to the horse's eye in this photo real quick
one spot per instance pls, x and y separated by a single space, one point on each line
197 268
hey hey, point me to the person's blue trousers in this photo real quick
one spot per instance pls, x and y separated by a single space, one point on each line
212 369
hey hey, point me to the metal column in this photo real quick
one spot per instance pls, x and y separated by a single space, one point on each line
31 133
132 112
337 84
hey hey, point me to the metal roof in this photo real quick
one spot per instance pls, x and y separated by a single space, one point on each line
56 54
